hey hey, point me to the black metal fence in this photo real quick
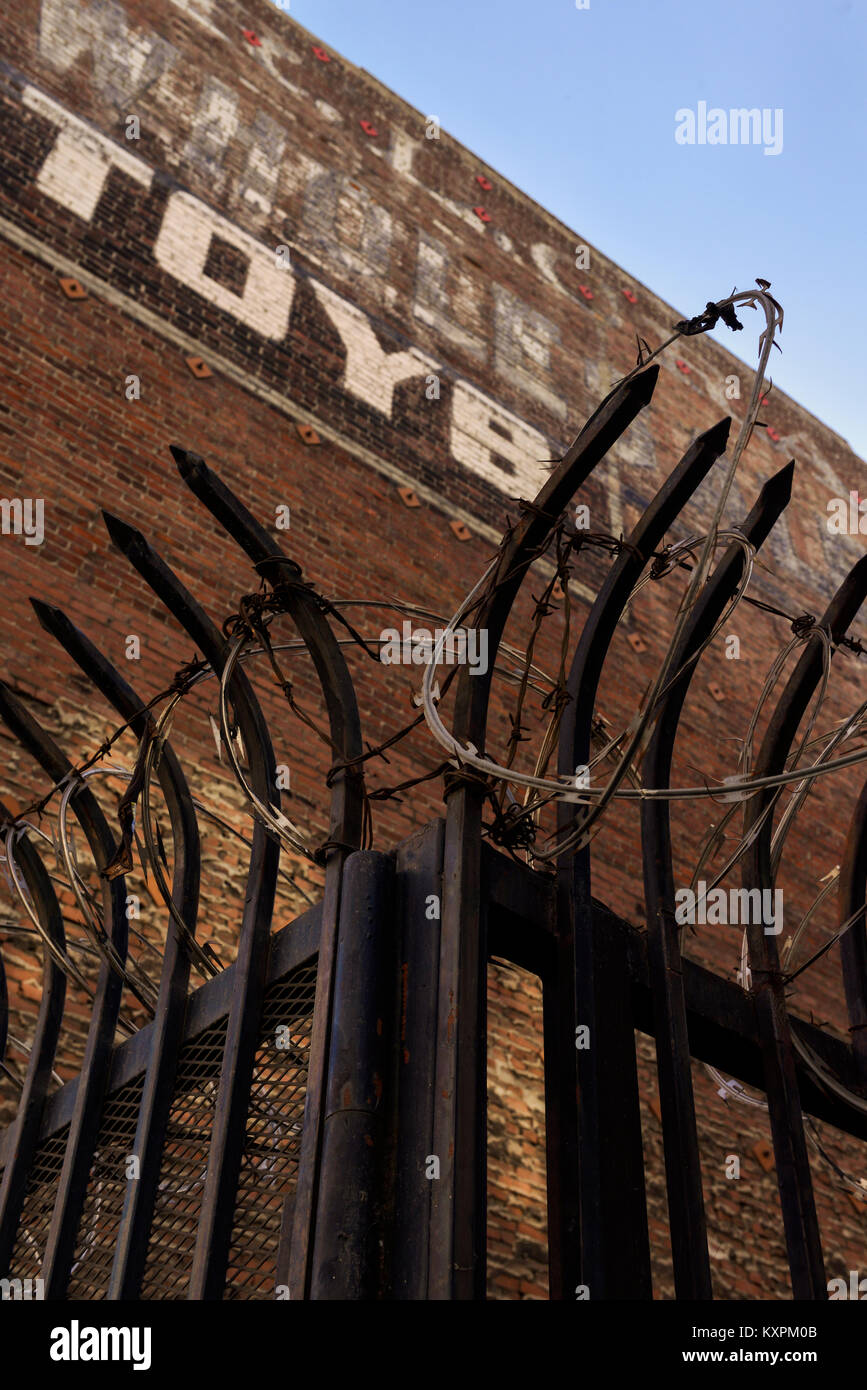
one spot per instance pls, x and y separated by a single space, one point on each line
271 1133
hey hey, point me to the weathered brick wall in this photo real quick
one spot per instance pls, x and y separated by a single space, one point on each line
220 199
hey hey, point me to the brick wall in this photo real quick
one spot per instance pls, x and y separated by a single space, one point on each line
220 199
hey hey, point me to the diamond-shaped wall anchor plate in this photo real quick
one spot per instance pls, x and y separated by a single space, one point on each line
408 497
462 532
198 367
636 643
72 288
764 1154
717 692
307 433
558 591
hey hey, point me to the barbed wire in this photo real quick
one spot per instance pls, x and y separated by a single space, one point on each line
514 825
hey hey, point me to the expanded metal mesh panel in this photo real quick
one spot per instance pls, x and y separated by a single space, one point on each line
268 1171
41 1190
183 1167
273 1135
106 1189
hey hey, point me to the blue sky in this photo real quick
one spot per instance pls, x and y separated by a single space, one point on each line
577 108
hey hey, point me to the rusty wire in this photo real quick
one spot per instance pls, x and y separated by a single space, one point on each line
514 826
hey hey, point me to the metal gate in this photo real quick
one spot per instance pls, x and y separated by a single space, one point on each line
271 1133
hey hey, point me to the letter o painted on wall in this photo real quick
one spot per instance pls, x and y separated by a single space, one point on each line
182 249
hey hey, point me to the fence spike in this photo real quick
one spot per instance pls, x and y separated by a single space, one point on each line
84 1127
787 1125
23 1133
210 1258
180 949
457 1243
683 1166
347 818
613 1216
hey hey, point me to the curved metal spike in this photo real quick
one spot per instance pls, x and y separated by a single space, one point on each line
23 1134
317 1215
84 1126
608 606
683 1166
610 1164
307 615
131 1245
851 894
457 1240
213 1238
787 1124
601 432
4 1010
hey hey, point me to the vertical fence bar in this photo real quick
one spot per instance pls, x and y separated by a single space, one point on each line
233 1096
24 1130
458 1236
349 1253
140 1196
346 778
84 1126
784 1105
419 884
690 1259
615 1250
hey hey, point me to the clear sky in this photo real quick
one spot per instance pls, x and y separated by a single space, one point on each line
577 108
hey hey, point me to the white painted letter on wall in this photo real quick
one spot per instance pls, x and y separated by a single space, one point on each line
182 249
484 432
